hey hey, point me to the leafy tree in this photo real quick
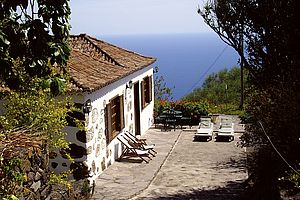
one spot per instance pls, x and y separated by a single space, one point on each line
34 52
269 30
33 33
161 91
36 113
218 88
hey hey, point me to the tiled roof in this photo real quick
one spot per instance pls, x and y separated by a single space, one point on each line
94 64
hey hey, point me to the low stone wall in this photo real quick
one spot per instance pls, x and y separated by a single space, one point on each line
24 170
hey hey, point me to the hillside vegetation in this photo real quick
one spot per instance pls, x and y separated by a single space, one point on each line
221 90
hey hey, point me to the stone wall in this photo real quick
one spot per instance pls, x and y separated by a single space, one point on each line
87 147
24 170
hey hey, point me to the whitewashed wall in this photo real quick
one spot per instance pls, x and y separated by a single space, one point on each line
146 113
99 155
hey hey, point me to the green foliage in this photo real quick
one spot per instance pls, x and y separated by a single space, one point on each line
82 189
11 178
295 179
228 109
269 31
33 39
86 189
188 108
219 88
11 197
194 110
161 91
34 51
60 179
37 113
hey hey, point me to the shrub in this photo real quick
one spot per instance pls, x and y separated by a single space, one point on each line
228 109
188 108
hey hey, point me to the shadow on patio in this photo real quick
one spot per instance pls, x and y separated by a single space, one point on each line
232 191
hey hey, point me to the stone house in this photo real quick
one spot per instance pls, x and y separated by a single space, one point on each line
114 89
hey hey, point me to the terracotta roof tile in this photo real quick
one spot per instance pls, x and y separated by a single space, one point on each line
122 56
94 64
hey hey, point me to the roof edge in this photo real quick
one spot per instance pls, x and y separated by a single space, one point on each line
86 37
127 50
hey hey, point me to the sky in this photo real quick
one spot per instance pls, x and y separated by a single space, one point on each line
126 17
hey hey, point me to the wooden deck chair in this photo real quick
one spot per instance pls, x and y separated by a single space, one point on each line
131 151
140 140
139 143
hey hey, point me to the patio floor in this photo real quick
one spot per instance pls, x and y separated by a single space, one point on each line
182 169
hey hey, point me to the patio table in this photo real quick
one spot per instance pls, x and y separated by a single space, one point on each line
185 121
170 117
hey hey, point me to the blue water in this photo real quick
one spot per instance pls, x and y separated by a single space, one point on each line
184 60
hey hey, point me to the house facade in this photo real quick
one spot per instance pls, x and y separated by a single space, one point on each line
113 88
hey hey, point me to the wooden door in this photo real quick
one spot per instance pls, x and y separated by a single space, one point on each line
137 110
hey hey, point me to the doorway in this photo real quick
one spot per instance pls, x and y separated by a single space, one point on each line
137 113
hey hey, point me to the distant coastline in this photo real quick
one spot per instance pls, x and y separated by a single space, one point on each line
183 59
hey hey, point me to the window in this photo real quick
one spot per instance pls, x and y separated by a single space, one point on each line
114 118
146 91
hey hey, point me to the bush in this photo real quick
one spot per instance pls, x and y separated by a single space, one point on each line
188 108
228 109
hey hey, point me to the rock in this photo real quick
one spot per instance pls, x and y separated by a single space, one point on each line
52 155
30 176
45 191
41 171
89 150
21 197
58 192
28 183
37 176
36 186
54 195
30 197
26 165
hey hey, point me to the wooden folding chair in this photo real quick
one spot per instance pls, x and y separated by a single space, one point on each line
132 151
139 143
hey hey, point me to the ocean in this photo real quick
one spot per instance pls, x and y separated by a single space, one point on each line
184 60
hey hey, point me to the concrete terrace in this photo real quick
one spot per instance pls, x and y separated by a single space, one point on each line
182 169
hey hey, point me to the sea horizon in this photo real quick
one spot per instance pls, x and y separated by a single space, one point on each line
183 59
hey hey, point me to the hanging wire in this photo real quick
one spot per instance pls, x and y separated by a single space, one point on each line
276 149
208 69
